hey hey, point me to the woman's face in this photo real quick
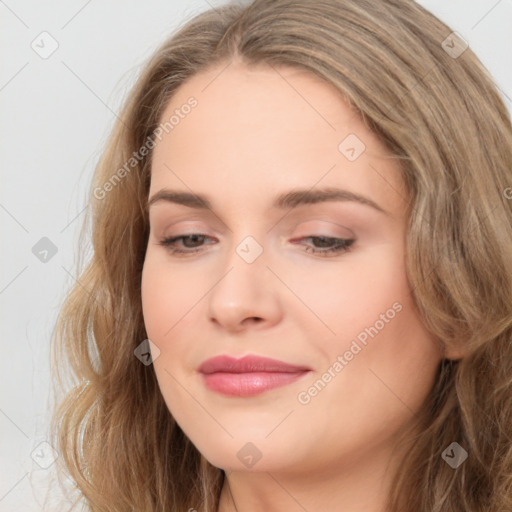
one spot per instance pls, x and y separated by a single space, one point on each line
263 273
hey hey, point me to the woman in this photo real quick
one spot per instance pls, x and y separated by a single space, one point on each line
300 294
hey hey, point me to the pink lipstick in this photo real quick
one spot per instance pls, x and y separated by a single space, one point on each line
248 376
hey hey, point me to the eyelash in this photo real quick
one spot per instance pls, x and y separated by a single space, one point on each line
343 245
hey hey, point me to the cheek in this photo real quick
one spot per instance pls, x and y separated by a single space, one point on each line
166 297
389 353
155 302
350 295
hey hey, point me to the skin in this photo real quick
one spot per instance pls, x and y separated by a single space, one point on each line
255 133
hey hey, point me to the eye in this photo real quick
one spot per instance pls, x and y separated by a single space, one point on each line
191 242
322 245
328 245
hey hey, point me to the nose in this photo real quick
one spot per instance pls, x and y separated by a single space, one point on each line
246 295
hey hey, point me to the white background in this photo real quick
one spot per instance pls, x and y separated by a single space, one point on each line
56 115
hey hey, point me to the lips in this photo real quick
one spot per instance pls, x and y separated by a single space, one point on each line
248 364
248 376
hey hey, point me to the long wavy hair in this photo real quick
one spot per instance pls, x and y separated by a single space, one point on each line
442 117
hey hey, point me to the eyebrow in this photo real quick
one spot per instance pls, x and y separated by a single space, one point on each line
287 200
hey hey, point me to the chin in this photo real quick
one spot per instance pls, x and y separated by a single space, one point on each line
250 456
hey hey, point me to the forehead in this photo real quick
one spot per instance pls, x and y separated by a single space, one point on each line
257 129
271 99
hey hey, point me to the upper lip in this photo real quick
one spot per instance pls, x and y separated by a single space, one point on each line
248 364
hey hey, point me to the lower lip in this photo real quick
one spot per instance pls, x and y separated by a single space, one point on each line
249 384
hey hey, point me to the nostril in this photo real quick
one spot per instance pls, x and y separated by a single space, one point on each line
254 319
